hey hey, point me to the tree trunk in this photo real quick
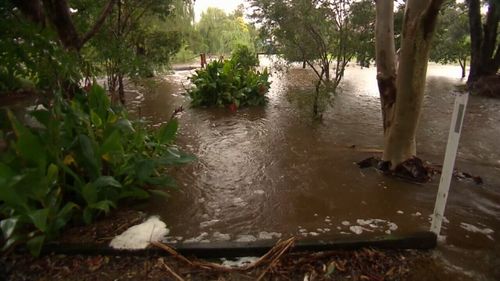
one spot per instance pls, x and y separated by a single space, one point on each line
402 98
121 89
485 54
385 59
463 66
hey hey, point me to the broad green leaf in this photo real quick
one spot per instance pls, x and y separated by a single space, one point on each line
144 169
159 193
103 205
39 218
89 154
12 196
167 132
95 119
28 145
104 181
124 125
87 215
135 192
6 173
89 193
164 181
112 143
52 173
64 215
35 245
8 226
175 156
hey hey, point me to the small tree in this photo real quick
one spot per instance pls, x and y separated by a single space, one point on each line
316 32
452 43
402 92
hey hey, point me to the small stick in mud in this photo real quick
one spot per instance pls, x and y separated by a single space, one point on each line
171 271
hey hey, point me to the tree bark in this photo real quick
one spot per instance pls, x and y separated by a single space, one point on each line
485 54
385 59
402 100
58 14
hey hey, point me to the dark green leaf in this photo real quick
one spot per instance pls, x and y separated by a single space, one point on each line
35 245
39 218
89 155
167 132
89 193
104 181
103 205
112 143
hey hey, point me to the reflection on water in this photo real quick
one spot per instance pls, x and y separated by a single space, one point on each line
271 169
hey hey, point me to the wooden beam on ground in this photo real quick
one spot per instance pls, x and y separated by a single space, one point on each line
419 240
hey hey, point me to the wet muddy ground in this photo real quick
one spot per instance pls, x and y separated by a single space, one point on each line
272 172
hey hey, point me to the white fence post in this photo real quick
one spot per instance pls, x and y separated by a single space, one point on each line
449 161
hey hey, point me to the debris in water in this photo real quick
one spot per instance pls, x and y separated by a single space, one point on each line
208 223
239 262
239 202
417 214
259 192
313 233
221 236
472 228
246 238
356 229
346 223
196 239
400 212
264 235
139 236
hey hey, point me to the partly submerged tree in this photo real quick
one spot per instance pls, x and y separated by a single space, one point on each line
402 90
316 32
134 41
485 47
452 43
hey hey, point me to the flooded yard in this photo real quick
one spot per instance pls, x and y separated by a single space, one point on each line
272 172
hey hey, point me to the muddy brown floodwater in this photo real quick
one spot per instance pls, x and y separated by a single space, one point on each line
270 171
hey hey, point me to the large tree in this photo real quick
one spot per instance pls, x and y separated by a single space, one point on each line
402 89
485 51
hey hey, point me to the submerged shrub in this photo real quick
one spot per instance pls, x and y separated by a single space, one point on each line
234 83
80 160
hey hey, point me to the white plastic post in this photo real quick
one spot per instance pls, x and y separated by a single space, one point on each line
449 161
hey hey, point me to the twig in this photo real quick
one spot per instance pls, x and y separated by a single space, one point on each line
172 252
171 271
287 245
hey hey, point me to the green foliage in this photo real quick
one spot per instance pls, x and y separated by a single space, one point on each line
452 41
362 16
232 82
80 159
242 57
220 33
30 56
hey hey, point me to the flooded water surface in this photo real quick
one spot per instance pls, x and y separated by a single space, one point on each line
270 172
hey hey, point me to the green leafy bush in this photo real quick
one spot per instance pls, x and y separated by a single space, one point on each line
234 83
80 159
